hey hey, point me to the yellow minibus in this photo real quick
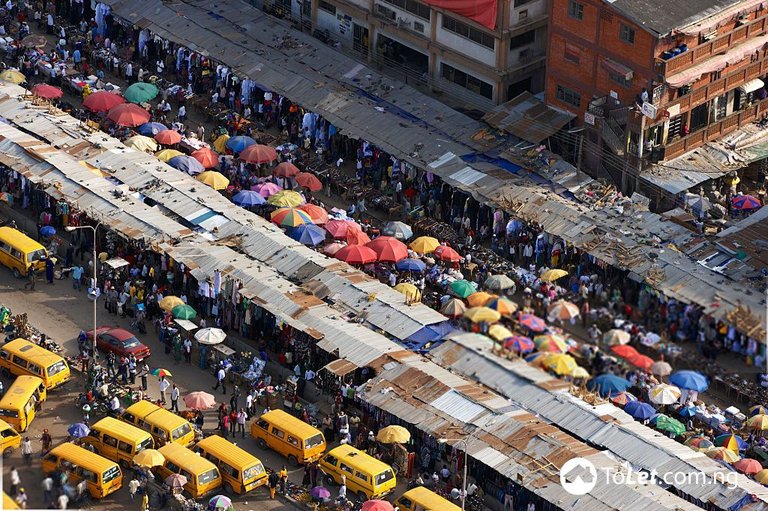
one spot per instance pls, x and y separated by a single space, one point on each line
164 426
102 475
22 400
240 470
423 499
118 440
20 357
289 436
202 476
9 439
19 252
365 476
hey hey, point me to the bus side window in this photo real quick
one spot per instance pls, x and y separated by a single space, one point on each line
19 361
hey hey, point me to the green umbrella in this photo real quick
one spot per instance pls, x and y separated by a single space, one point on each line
665 423
141 92
463 288
183 312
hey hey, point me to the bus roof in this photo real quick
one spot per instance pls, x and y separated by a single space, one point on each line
32 352
9 503
19 240
298 426
151 412
4 425
430 500
359 459
228 452
20 391
112 425
185 458
82 457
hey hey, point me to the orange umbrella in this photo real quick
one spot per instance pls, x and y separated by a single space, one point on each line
258 153
445 253
128 114
168 137
356 254
318 214
388 249
641 361
480 298
355 237
285 169
308 181
208 157
624 351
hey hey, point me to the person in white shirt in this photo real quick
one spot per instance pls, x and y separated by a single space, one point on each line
163 387
114 404
221 376
182 113
129 73
175 398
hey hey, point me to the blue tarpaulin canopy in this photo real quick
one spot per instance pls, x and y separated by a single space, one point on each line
429 334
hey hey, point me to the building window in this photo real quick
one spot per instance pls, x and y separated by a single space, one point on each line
627 34
322 4
467 81
572 53
471 33
412 6
620 79
523 39
568 96
575 10
518 3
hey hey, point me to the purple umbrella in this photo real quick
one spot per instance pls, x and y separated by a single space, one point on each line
320 493
532 322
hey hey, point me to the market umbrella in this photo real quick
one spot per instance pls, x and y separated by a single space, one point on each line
355 237
267 189
669 425
102 101
356 254
411 292
339 228
175 480
47 230
393 435
149 458
722 454
253 152
167 155
641 362
615 336
607 384
664 394
453 308
286 198
248 198
622 398
141 92
150 129
499 332
187 164
34 41
317 213
762 476
482 315
289 217
169 302
505 306
731 441
552 275
210 336
141 143
285 169
239 143
624 351
332 248
184 312
531 322
128 114
220 144
388 249
45 91
424 244
168 137
748 466
699 443
551 343
661 368
462 288
411 265
759 422
745 202
320 493
480 299
447 254
377 505
309 181
559 363
519 344
160 372
687 412
757 410
207 157
639 410
215 180
199 400
78 430
563 310
691 380
307 234
499 282
399 230
13 76
220 502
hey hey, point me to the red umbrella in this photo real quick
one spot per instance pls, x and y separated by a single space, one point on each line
332 248
356 254
208 157
258 153
624 351
389 249
128 114
338 228
43 90
102 101
445 253
748 466
377 505
285 169
355 237
317 213
641 361
168 137
308 181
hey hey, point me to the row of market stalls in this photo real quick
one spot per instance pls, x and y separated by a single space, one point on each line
508 441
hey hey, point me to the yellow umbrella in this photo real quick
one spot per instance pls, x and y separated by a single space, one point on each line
167 154
552 343
215 180
393 435
286 199
479 299
553 275
482 314
142 143
559 363
722 454
411 292
424 244
149 458
13 76
505 306
220 144
499 332
762 476
169 302
759 421
580 372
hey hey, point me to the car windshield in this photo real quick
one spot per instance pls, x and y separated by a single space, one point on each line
111 474
384 476
57 368
131 342
37 255
181 431
253 472
207 477
313 441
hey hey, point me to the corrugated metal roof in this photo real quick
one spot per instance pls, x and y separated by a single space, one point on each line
528 118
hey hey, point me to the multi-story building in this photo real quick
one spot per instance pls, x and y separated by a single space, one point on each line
481 52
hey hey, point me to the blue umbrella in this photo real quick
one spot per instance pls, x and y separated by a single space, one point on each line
78 430
691 380
688 412
47 230
239 143
607 384
150 129
307 234
639 410
187 164
247 198
410 265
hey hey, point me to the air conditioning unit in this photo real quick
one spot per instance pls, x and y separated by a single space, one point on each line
418 27
403 22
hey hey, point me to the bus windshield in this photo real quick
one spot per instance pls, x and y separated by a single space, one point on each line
57 368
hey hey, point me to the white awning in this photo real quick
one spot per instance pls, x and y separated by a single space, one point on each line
752 85
116 262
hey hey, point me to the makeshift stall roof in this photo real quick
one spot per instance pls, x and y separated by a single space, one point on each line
186 324
528 118
340 367
116 262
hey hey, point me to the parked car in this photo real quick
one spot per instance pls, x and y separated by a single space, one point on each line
119 341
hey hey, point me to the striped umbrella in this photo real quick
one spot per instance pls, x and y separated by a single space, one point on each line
453 308
480 299
504 305
290 217
757 410
745 202
531 322
723 454
551 343
563 310
664 394
731 441
615 336
622 398
700 443
519 344
318 214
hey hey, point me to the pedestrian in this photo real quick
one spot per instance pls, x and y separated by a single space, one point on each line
306 481
314 473
235 396
133 487
182 114
175 398
221 375
15 481
283 479
343 489
144 374
62 501
31 279
163 387
21 498
188 351
145 502
132 369
77 275
49 270
272 483
241 417
233 422
26 450
48 491
224 425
